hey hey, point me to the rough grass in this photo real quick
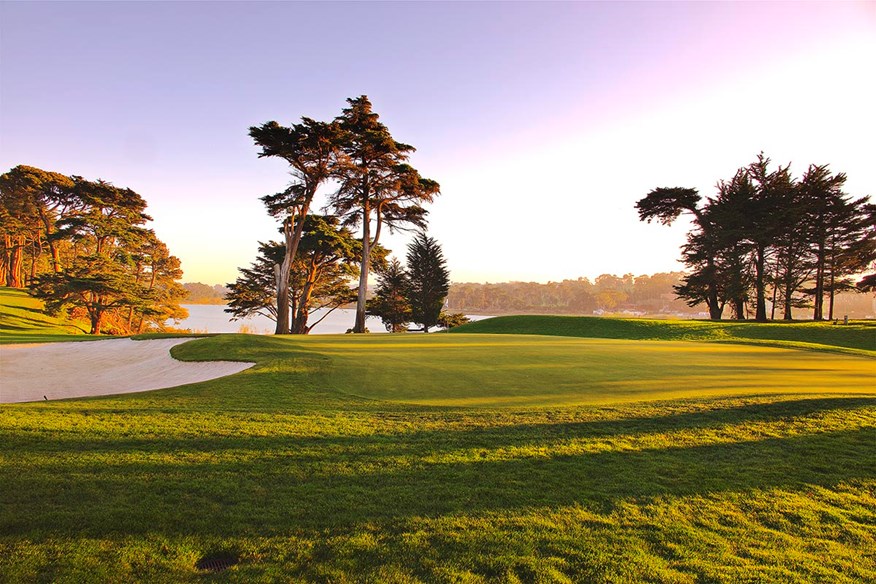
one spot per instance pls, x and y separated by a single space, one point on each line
22 320
282 469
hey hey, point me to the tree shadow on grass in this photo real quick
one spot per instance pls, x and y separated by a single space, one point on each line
277 485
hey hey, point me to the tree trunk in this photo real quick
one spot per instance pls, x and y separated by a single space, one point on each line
715 308
831 297
760 285
738 308
364 265
292 238
302 312
818 313
16 260
282 300
789 291
96 316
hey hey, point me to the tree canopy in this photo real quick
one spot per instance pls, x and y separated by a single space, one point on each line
102 260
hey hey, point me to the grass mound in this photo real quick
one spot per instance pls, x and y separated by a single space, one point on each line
856 336
23 320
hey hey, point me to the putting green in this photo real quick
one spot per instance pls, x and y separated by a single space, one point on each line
530 370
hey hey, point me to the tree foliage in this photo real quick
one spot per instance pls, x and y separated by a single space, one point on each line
377 187
390 302
319 277
309 148
765 229
375 184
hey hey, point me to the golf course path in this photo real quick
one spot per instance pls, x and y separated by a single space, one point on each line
63 370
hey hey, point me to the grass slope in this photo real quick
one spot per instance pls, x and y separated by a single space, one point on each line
284 471
860 335
22 320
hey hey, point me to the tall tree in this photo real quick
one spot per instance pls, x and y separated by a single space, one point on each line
852 247
375 184
841 241
156 272
309 148
95 282
122 270
428 280
764 208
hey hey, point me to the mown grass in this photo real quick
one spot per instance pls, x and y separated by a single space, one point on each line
301 471
858 335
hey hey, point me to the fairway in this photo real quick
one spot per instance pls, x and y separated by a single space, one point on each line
529 370
455 458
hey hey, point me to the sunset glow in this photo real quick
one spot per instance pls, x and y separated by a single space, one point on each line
543 123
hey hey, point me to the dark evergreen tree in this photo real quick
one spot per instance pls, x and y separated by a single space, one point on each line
390 301
429 280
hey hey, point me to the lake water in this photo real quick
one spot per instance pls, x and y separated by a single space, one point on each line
212 318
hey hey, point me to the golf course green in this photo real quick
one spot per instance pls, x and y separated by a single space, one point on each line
474 456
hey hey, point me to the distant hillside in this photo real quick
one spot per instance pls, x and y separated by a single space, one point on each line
609 294
204 294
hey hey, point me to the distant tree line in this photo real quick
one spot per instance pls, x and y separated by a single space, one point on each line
606 294
767 237
82 246
199 293
374 190
652 295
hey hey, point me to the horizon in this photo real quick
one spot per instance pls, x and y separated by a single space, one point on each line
542 123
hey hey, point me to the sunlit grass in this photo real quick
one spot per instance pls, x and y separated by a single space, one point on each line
22 320
330 462
857 336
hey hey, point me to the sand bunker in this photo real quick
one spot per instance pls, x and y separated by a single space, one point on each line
84 369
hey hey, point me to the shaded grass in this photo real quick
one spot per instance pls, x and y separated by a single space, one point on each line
282 469
859 335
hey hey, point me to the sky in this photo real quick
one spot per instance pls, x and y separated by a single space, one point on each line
543 122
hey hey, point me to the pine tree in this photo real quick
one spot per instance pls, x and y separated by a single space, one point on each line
390 301
429 280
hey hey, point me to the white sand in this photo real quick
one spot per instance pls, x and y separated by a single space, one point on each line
107 367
